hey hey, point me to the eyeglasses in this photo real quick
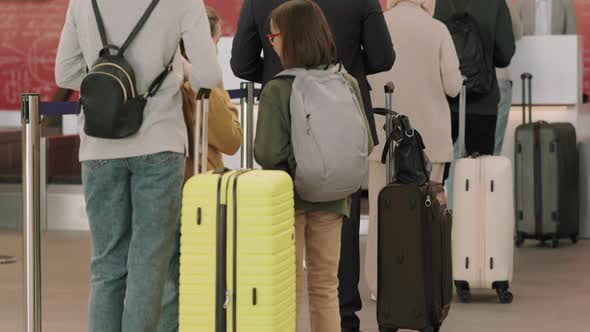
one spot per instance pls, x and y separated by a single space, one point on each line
271 37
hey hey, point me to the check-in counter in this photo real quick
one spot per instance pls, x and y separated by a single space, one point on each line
556 65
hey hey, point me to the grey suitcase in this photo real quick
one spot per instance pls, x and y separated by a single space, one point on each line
546 178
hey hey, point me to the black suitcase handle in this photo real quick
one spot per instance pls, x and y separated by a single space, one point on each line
384 112
527 101
389 114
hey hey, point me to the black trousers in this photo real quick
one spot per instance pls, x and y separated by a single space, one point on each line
349 269
480 134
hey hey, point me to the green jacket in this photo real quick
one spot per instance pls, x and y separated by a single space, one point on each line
495 26
272 147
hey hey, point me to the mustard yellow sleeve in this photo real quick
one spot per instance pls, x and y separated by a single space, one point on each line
225 131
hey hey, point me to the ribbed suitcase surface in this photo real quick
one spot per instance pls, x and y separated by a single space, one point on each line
249 286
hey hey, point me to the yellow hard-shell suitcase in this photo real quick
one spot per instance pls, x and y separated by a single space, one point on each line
237 251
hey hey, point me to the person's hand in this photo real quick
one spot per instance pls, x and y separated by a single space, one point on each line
220 85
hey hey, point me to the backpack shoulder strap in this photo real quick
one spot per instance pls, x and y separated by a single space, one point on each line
292 73
157 83
288 74
138 27
100 23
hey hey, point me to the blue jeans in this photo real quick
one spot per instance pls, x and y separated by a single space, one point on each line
169 318
133 206
503 112
449 181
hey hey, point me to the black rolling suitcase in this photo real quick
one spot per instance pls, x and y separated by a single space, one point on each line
414 268
546 176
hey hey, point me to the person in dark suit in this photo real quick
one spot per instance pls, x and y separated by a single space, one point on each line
364 47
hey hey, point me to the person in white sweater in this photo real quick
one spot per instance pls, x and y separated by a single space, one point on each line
132 186
425 73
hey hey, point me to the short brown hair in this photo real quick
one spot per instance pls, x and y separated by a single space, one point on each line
307 38
214 20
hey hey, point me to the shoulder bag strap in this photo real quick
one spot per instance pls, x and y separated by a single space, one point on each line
388 143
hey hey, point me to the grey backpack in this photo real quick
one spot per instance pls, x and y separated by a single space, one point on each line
329 134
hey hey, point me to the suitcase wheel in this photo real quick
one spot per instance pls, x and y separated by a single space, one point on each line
463 291
506 297
431 329
574 238
504 294
555 242
464 295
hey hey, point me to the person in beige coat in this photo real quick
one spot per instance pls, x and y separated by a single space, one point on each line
425 73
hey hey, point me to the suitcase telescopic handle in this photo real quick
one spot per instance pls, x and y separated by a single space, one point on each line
247 122
390 115
389 89
527 102
201 132
388 109
462 115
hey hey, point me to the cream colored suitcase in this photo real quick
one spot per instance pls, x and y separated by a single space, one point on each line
483 222
237 251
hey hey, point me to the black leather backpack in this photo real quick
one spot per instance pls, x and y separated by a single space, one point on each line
113 108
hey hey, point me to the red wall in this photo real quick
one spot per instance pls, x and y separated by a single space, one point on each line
583 14
229 10
29 35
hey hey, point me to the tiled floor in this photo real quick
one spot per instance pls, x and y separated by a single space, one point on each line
551 287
